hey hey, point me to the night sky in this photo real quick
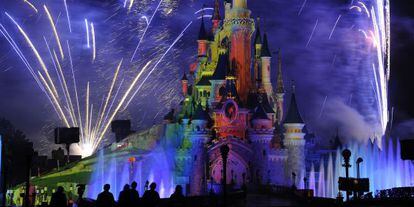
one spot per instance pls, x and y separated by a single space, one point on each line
336 69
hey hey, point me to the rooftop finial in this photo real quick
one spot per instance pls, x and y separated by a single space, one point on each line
293 86
280 86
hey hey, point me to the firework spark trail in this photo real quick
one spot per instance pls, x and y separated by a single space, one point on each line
66 91
125 3
52 88
54 31
112 104
31 5
356 7
205 16
145 31
110 92
93 42
379 39
131 3
158 62
146 19
56 102
87 33
313 31
67 16
364 33
75 88
120 105
379 98
203 9
87 113
57 65
18 51
301 8
28 66
333 29
365 8
323 107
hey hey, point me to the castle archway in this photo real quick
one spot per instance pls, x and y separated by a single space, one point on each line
238 163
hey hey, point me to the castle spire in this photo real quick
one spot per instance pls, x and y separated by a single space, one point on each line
280 89
265 47
216 16
202 34
293 116
258 36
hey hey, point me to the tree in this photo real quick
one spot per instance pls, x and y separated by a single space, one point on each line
16 146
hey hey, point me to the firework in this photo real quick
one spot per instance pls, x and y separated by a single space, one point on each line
54 32
67 16
313 31
145 30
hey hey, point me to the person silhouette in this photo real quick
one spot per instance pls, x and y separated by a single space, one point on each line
58 198
106 198
177 199
134 195
151 197
124 197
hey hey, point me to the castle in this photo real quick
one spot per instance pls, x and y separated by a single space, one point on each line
228 99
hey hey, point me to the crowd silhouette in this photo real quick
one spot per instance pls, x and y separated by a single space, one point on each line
128 197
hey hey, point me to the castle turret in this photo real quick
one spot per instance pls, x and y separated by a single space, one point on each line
242 4
216 16
294 140
218 80
241 28
184 85
280 92
257 61
202 40
266 57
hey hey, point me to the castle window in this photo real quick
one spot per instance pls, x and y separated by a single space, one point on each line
264 153
195 157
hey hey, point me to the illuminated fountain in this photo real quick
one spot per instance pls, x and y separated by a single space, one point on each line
124 168
384 168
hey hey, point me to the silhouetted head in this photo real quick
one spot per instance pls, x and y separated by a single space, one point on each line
107 187
126 187
179 189
153 186
60 189
134 185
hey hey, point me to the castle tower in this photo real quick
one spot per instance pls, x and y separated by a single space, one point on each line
266 57
202 40
280 92
261 134
198 138
294 141
257 61
218 80
241 28
184 85
216 16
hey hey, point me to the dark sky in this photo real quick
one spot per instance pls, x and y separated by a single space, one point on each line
402 85
337 70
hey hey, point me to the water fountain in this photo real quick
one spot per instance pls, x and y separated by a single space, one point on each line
124 168
384 168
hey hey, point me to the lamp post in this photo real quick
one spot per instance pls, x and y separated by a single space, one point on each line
224 150
347 155
358 162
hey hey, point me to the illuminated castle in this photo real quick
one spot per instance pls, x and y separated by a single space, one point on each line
228 98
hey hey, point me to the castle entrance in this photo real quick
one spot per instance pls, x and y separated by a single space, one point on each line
238 169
